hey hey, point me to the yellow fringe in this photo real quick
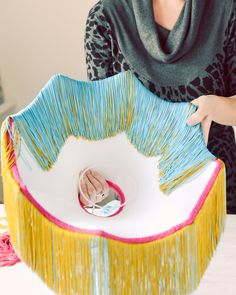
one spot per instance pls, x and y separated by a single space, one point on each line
76 263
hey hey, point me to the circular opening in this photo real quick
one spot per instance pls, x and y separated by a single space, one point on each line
112 205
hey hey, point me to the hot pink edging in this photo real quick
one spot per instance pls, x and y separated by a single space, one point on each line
102 233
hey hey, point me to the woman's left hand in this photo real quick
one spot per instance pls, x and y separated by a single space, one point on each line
219 109
203 114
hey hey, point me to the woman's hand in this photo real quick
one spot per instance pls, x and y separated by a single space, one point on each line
219 109
94 187
203 114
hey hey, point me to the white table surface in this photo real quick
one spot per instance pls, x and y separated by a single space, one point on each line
219 278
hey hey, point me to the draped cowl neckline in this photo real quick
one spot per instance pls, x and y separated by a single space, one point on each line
162 35
180 38
193 39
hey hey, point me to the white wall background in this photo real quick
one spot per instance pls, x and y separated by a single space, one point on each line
38 39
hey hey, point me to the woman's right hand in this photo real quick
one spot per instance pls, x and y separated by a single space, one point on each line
93 186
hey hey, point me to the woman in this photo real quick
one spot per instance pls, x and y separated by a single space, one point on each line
181 51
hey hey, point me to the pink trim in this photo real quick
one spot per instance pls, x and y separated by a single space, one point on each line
117 190
102 233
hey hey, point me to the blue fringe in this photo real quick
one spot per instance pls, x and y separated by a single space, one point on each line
99 109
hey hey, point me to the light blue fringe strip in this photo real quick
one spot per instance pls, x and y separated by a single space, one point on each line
99 109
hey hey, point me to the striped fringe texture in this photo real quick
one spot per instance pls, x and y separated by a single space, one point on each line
71 262
100 109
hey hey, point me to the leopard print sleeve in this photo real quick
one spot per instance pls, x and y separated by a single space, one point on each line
97 44
230 53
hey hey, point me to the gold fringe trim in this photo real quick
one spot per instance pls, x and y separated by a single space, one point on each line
76 263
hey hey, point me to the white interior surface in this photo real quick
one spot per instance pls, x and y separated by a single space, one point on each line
147 211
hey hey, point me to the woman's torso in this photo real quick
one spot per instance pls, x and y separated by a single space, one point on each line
213 79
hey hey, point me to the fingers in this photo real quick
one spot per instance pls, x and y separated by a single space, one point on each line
85 192
102 180
84 201
94 186
84 188
87 189
205 121
206 124
98 186
91 191
196 101
202 115
196 118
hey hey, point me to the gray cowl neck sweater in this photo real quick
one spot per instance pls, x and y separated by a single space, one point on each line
190 46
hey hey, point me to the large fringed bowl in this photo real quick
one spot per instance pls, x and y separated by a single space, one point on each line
175 201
